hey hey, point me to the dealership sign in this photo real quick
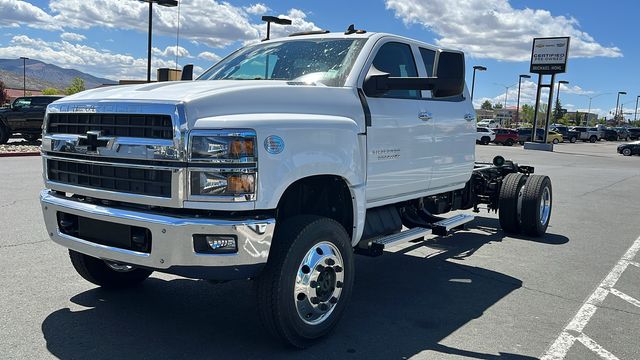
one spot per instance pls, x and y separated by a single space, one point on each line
549 55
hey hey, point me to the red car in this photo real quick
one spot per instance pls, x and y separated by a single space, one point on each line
506 137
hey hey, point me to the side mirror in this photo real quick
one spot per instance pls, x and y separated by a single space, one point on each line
450 73
187 72
377 83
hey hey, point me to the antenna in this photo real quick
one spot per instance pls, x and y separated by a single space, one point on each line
274 19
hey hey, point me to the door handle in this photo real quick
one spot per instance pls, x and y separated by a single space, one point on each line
469 116
425 116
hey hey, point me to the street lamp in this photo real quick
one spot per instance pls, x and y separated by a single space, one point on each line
558 93
636 109
586 121
24 75
615 117
473 82
518 105
166 3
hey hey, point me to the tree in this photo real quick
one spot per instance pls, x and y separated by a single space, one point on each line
497 106
486 105
526 113
51 91
4 98
557 110
77 85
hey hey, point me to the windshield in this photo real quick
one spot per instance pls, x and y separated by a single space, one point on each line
322 61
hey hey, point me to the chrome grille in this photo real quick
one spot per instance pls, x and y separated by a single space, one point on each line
125 125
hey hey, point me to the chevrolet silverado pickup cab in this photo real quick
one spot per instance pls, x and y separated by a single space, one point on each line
277 164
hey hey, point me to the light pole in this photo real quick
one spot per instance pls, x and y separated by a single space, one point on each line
473 82
636 109
615 117
24 75
518 104
558 94
586 121
167 3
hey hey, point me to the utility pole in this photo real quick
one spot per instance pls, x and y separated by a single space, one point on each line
24 75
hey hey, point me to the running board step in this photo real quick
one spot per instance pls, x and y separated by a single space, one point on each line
445 227
375 247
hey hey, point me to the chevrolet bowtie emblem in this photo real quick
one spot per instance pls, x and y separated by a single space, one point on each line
91 141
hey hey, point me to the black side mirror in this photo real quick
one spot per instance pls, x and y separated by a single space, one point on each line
187 72
450 73
377 83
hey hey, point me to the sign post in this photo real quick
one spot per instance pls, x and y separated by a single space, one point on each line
548 57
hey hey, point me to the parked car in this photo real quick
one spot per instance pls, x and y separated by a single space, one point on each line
567 135
506 137
484 135
490 123
586 134
634 133
610 135
623 133
24 116
629 149
599 132
524 135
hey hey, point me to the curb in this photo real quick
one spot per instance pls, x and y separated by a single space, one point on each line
15 154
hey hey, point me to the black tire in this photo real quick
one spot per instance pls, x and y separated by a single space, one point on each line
626 152
508 202
278 308
521 142
96 271
31 137
508 142
532 221
593 139
555 141
485 140
573 139
4 134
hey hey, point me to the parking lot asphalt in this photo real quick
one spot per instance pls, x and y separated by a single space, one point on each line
477 294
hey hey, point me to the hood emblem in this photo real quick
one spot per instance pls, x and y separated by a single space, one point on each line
92 141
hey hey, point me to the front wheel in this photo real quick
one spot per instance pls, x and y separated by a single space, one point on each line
107 274
307 282
485 140
572 139
509 142
555 141
593 139
626 152
31 137
4 134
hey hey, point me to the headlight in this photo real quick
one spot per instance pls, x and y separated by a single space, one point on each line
217 148
214 183
223 146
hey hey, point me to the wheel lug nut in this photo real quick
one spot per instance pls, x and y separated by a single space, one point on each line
339 284
333 300
330 262
337 269
324 307
319 268
314 300
313 284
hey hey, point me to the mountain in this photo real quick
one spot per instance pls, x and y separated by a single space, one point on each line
41 75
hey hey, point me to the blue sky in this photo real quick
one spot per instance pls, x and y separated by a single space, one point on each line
108 37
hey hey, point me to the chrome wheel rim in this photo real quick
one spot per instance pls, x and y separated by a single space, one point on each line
545 206
118 267
318 283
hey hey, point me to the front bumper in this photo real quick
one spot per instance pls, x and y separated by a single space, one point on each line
172 249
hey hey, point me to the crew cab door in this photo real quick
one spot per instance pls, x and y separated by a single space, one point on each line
454 131
17 118
400 136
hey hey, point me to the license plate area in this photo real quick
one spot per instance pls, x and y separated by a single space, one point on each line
105 233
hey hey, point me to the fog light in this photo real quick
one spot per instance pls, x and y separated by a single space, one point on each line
215 244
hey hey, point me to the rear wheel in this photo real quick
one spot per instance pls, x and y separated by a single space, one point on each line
307 282
626 152
536 205
106 273
509 142
31 137
555 141
593 139
508 203
4 134
572 139
485 140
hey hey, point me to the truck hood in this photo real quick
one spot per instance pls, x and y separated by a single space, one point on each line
170 91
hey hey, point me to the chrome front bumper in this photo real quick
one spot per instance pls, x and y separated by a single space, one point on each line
172 248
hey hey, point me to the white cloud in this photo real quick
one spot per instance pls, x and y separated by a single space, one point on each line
171 51
494 29
16 13
220 25
69 36
209 56
257 9
85 58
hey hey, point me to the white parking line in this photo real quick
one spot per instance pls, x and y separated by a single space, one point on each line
560 347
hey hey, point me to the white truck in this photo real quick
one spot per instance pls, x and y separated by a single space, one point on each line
277 164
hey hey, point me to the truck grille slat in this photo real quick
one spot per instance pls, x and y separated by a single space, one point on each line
126 125
149 182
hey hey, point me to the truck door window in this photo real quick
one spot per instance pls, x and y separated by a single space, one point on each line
397 60
429 59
